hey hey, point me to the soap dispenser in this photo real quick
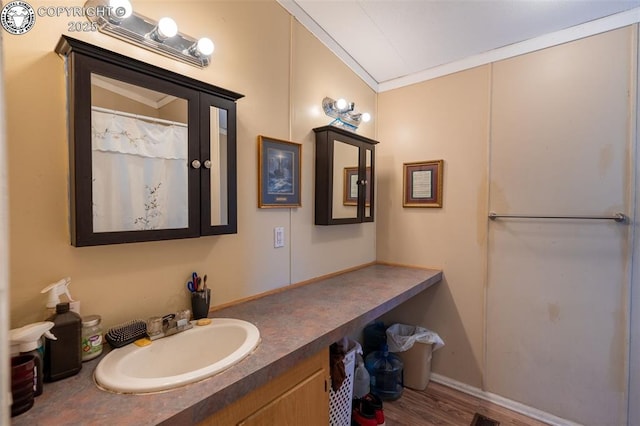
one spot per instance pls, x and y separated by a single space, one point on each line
27 341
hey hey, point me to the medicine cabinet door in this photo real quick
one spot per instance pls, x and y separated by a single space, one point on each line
152 153
218 170
368 184
346 181
132 140
345 174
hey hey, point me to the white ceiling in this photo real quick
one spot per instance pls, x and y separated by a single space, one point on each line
396 42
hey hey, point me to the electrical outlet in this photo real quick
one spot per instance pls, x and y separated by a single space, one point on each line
278 237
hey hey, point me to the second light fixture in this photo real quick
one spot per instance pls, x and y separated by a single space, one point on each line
344 113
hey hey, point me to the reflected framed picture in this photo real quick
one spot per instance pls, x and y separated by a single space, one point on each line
279 173
422 186
350 197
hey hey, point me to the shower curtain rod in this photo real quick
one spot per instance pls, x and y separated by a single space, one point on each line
618 217
139 117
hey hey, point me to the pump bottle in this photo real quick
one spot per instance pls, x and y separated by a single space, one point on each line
26 341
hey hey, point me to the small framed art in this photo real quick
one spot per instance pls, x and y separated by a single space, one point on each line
423 184
279 173
350 197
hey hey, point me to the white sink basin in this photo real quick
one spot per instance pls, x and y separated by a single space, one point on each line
182 358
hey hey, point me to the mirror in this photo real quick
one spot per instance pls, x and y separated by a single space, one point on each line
345 180
152 153
139 153
218 171
368 184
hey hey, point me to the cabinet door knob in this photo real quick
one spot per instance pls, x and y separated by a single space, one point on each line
195 164
207 164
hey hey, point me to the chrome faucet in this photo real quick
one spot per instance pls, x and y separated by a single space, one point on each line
171 324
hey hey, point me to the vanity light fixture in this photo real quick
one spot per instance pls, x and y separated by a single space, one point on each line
342 105
123 8
203 47
118 19
344 113
165 29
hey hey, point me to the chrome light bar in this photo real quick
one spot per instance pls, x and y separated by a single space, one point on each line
142 31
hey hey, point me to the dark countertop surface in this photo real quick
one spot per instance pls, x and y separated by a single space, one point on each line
294 324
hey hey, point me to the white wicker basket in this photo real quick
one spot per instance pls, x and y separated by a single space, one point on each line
340 400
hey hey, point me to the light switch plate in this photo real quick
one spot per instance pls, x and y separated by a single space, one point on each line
278 237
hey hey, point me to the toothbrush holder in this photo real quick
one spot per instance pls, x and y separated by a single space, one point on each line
200 303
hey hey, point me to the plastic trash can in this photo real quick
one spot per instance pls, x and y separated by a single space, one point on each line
417 365
414 345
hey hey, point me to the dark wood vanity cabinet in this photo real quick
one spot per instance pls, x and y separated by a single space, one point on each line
152 152
345 176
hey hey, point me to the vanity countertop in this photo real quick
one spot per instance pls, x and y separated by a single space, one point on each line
294 324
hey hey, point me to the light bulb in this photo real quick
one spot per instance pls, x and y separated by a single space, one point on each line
205 46
167 28
366 117
341 104
120 9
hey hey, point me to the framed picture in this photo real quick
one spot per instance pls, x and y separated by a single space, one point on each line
422 184
350 197
278 173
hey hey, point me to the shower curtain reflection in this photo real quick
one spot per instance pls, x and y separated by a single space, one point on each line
139 176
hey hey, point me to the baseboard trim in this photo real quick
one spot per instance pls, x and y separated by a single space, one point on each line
518 407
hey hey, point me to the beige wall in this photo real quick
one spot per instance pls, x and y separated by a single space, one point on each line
319 250
5 396
562 286
262 53
533 311
175 110
445 119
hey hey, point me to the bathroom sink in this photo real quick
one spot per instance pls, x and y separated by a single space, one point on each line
177 360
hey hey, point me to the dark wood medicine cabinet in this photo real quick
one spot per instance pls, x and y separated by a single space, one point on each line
345 177
152 153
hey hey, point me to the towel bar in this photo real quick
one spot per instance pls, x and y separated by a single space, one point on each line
618 217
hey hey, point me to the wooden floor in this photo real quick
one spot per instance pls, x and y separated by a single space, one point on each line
441 405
